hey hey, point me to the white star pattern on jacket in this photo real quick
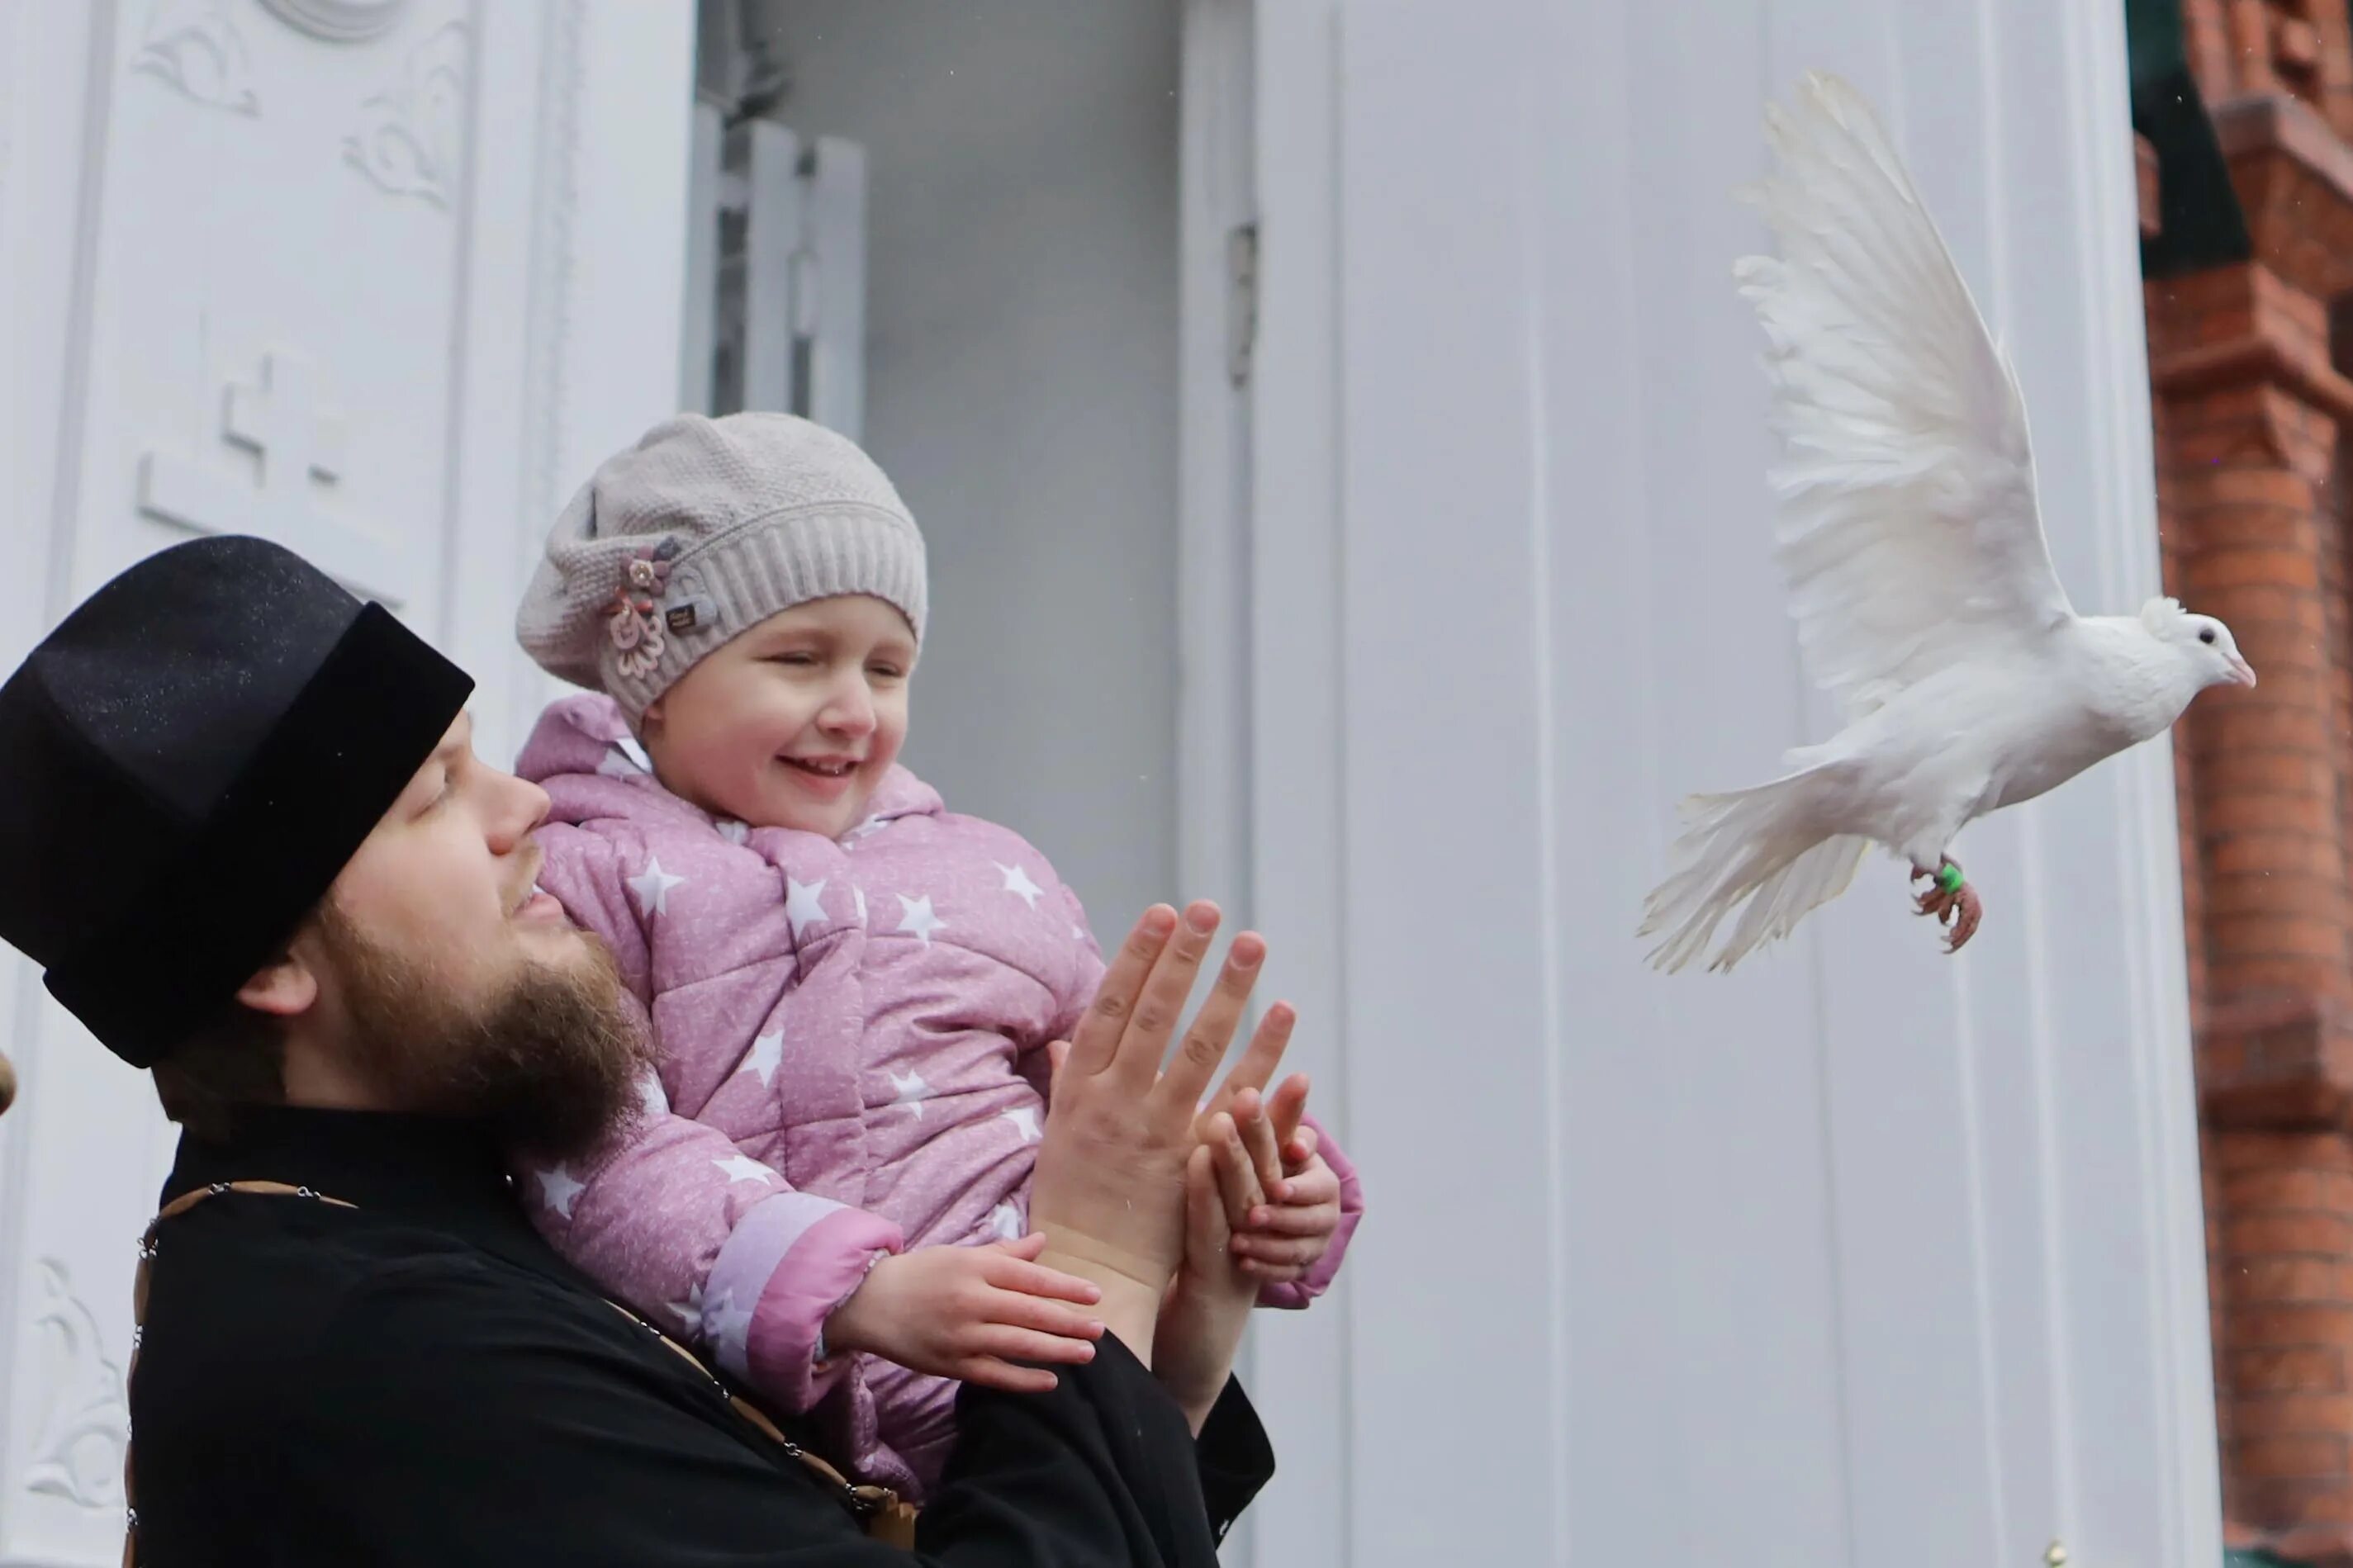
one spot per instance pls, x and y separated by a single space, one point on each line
1017 882
801 905
767 1054
652 887
918 919
952 949
912 1091
557 1189
690 1311
744 1168
730 1328
735 832
650 1095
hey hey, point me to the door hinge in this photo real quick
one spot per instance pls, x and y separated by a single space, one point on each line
1242 301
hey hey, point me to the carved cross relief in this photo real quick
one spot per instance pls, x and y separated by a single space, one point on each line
297 443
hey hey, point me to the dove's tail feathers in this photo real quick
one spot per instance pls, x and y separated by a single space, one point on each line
1754 845
1792 893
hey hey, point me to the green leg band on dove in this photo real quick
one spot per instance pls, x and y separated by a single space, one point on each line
1949 877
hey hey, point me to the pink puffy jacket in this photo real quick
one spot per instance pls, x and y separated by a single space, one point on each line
850 1038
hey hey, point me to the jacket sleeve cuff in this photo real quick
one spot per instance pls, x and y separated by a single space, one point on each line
791 1261
1295 1294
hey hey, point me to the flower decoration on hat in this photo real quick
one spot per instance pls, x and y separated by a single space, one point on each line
633 620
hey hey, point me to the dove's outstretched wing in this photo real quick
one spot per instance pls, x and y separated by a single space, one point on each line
1908 532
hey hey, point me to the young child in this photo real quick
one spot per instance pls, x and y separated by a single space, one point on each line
850 989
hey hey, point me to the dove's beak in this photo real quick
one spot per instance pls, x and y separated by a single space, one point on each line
2242 671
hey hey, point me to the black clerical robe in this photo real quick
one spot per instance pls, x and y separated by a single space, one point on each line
417 1379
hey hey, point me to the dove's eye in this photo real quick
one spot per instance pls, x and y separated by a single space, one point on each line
2206 636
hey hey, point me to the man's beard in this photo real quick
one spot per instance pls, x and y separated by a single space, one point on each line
551 1063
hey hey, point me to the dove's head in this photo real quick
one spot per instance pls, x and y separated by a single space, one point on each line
2204 643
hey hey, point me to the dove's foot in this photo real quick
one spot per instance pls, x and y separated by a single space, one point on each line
1938 900
1968 912
1953 902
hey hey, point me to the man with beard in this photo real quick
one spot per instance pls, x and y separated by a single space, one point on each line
242 828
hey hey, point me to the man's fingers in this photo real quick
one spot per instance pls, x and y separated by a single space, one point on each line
1267 1043
990 1372
1187 1080
1161 1002
1058 1053
1231 1000
1272 1273
1096 1041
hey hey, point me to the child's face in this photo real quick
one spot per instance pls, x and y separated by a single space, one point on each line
794 723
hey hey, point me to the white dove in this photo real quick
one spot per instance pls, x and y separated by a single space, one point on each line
1912 543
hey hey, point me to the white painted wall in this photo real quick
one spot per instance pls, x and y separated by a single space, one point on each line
1864 1256
181 198
1861 1257
1022 392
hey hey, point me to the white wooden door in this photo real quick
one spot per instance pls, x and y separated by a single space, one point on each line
1864 1256
320 270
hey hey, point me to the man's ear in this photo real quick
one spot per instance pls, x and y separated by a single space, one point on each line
283 988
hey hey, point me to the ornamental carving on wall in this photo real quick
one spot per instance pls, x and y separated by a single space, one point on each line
412 134
192 47
77 1447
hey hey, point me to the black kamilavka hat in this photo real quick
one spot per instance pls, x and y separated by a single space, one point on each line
186 762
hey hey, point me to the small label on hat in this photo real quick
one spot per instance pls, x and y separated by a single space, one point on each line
682 617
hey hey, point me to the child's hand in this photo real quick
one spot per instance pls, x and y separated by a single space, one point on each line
1284 1207
1210 1301
1288 1238
970 1312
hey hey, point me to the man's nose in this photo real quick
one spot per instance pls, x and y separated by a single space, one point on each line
523 806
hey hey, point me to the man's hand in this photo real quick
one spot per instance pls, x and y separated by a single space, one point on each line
970 1312
1109 1188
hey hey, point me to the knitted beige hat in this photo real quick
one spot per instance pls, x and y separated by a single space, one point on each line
701 532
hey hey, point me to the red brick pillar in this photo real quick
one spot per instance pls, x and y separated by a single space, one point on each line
2250 410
